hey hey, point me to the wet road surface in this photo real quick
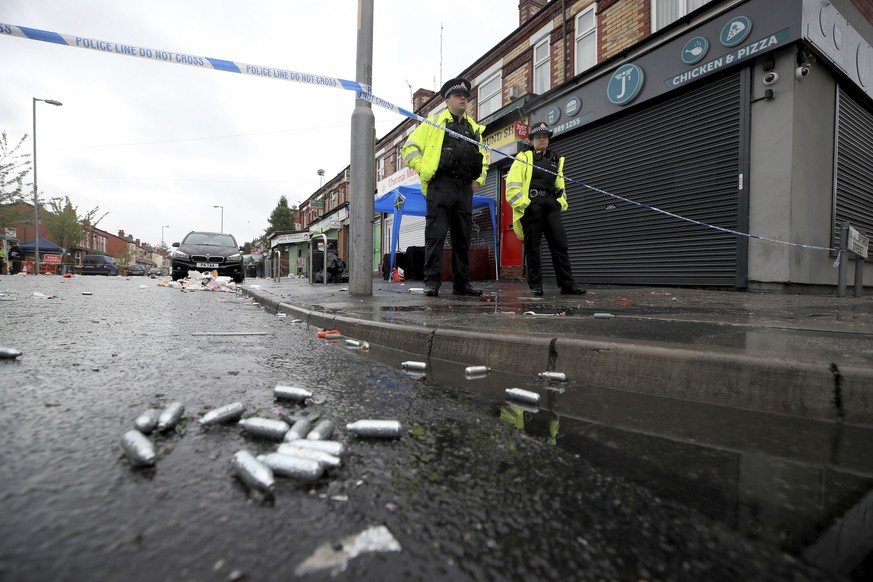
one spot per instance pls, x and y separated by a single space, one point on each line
476 489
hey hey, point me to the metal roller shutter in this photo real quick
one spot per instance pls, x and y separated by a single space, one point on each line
854 157
683 156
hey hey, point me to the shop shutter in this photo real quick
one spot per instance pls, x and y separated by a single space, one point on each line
854 156
682 155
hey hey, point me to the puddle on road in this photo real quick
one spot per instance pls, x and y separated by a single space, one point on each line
803 486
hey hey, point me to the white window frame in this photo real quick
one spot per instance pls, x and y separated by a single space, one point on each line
683 9
380 169
546 62
580 35
490 99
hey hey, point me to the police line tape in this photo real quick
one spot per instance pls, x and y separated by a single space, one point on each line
363 92
129 50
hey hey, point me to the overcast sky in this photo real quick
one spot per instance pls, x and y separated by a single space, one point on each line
158 144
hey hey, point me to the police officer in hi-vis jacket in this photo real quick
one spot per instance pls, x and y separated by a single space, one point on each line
451 170
535 190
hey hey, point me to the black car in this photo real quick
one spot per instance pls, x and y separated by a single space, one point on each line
136 271
155 272
99 265
205 252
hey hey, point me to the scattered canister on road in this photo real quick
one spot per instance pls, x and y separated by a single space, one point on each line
325 459
385 429
226 413
322 431
252 472
412 365
147 421
523 395
265 428
298 430
288 466
559 376
291 393
138 449
170 416
476 370
335 448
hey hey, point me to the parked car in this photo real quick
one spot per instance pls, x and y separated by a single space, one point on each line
99 265
207 251
136 271
155 272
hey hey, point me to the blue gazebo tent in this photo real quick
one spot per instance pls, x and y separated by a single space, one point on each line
409 200
45 246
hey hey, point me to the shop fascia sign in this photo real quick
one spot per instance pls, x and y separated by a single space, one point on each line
738 35
506 139
404 177
290 239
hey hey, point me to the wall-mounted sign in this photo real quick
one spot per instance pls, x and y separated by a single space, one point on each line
625 84
553 115
694 50
735 31
572 107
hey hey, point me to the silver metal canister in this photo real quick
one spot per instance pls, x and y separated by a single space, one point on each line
291 393
322 431
522 395
138 449
298 430
335 448
288 466
147 421
223 414
325 459
476 370
170 416
412 365
386 429
9 353
266 428
559 376
252 472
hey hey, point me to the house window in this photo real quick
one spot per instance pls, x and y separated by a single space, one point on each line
380 169
586 39
542 68
490 96
665 12
398 161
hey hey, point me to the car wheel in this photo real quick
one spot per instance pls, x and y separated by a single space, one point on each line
177 276
238 278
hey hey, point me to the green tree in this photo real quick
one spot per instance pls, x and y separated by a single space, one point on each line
64 225
14 166
124 258
282 218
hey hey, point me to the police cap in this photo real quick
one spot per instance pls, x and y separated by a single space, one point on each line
452 86
540 127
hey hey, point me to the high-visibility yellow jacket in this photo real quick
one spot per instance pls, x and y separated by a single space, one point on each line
422 149
518 187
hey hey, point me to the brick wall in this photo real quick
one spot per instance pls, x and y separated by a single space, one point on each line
865 7
621 25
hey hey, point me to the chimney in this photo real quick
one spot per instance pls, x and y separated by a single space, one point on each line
419 98
136 242
529 8
120 234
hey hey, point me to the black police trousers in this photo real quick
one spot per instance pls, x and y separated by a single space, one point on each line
543 217
449 206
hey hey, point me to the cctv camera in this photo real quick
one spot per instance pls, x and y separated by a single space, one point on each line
771 78
801 72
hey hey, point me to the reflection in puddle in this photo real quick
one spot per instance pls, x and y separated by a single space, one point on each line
803 486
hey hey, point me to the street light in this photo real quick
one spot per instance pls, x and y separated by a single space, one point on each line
35 190
163 246
320 178
222 216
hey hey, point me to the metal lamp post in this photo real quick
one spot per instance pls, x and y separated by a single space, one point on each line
162 236
35 189
222 216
